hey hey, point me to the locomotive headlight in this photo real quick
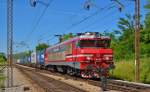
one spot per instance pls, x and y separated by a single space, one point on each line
107 57
88 58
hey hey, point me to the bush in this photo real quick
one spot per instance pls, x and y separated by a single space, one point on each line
145 71
125 70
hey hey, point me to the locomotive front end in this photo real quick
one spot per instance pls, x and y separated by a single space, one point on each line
97 57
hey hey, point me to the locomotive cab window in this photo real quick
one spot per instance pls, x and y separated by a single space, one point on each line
94 43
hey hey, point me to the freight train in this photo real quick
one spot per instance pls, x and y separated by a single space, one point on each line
86 55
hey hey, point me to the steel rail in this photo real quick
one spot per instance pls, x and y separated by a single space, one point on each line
112 84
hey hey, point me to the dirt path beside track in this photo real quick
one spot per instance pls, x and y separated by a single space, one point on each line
22 80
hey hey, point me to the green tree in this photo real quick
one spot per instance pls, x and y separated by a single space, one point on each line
67 36
147 6
2 57
110 34
145 33
22 54
124 46
126 27
41 46
2 62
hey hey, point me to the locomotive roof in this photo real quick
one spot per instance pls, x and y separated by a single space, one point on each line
79 38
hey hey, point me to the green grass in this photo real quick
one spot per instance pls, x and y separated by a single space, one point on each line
145 70
2 77
2 62
2 80
125 70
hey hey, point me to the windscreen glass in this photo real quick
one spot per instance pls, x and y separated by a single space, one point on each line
94 43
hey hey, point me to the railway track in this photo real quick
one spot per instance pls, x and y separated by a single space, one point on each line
130 86
47 83
118 85
123 86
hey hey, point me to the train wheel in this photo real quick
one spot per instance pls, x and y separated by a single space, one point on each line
64 68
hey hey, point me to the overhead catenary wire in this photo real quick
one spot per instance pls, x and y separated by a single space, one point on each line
42 39
96 14
45 34
107 26
38 21
47 40
107 7
102 18
86 18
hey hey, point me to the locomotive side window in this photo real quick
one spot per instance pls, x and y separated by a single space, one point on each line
62 48
69 48
94 43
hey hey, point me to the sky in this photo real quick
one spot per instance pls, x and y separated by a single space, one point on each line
31 26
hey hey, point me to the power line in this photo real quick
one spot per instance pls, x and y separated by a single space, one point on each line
38 21
70 13
101 9
42 39
102 18
109 6
43 36
91 23
52 38
107 26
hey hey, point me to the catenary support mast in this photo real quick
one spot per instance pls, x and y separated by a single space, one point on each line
9 43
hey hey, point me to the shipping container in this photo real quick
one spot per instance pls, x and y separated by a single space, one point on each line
40 57
33 57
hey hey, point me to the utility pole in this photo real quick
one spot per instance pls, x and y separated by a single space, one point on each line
9 43
137 40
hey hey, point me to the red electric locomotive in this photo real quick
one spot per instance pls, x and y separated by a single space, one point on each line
88 55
